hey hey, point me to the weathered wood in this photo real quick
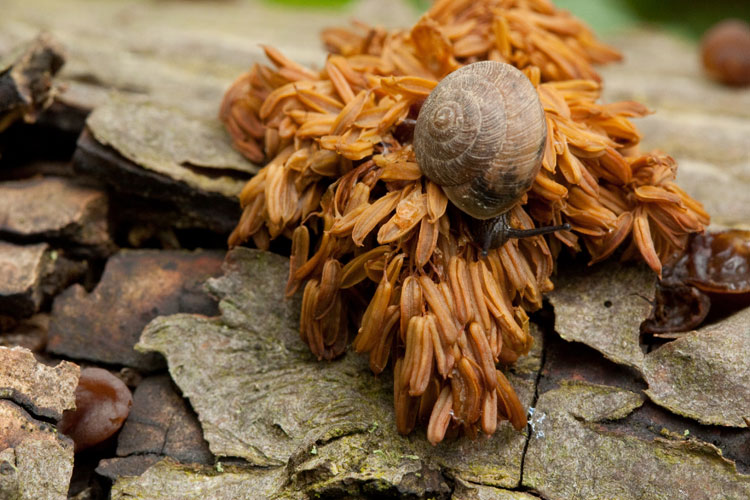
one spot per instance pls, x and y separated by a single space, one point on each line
26 83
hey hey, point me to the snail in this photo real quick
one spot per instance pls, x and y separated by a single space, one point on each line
481 135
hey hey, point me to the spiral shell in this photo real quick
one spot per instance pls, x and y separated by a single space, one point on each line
481 135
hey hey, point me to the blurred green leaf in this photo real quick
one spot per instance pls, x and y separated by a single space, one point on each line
603 16
687 17
421 5
691 17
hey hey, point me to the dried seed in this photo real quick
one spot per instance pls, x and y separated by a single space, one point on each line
421 369
271 142
426 242
247 120
281 61
500 311
315 340
339 82
410 350
512 407
642 238
345 225
482 348
440 416
480 306
496 342
446 324
411 303
445 289
467 392
307 324
393 269
656 194
380 353
408 86
316 126
319 102
444 358
401 171
327 244
329 287
298 256
372 321
428 399
464 349
250 222
372 215
299 160
409 212
489 412
349 114
394 115
338 346
308 301
461 289
612 241
359 195
437 202
374 269
272 102
331 323
354 270
507 355
406 406
262 239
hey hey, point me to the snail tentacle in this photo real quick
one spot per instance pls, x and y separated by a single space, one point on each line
494 233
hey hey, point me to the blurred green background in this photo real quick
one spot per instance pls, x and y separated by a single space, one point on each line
687 17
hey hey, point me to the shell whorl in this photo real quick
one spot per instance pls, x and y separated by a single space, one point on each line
481 135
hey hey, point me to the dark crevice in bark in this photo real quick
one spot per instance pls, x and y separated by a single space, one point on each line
546 320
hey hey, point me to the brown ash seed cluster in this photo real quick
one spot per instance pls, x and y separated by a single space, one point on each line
376 244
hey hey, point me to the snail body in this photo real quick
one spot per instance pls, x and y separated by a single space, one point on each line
481 135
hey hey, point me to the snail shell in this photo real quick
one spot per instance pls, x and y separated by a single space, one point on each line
481 135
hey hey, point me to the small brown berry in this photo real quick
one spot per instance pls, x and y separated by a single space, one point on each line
725 51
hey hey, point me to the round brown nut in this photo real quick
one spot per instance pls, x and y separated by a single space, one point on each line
725 51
